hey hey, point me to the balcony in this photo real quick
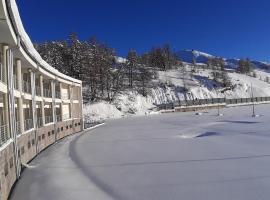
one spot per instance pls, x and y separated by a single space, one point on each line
66 116
39 122
2 74
57 95
28 124
58 118
65 96
15 82
26 86
3 134
48 119
38 91
47 93
18 128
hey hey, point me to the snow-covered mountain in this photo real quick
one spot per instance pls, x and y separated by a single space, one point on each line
201 57
189 55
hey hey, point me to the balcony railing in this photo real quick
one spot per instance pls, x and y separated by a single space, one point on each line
65 96
28 124
15 82
48 119
47 93
18 128
57 95
58 118
3 134
66 116
2 74
26 87
39 122
38 91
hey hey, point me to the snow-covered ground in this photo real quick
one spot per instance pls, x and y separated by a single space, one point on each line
172 156
170 87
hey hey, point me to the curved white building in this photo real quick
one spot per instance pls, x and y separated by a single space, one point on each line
38 104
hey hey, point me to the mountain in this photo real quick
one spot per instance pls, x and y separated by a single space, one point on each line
189 55
201 57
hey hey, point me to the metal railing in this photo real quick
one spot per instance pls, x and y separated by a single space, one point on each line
38 91
215 101
58 118
57 95
66 116
2 74
47 93
65 96
15 82
28 124
4 136
26 86
48 119
18 128
75 96
39 122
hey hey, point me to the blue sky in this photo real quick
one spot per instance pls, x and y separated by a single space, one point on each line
229 28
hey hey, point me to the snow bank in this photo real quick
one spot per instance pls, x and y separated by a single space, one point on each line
100 111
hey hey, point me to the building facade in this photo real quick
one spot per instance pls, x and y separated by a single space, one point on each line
38 104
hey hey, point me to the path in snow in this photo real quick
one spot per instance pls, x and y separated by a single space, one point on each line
169 156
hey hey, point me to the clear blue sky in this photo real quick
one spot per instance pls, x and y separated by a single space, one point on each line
229 28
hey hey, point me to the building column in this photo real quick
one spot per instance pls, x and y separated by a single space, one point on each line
81 107
20 99
71 100
42 102
3 78
61 104
33 93
5 63
53 101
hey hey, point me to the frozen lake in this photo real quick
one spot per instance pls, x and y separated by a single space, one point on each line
169 156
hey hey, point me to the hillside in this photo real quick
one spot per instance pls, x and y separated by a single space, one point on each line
169 86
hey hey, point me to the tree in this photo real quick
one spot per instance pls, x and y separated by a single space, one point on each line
219 73
244 66
144 78
132 64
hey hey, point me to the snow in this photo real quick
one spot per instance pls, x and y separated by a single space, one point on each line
172 156
100 111
199 53
120 59
199 86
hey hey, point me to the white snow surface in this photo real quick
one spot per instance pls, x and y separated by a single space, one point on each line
175 156
200 85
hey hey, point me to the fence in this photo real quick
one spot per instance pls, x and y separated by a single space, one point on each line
28 124
48 119
92 124
26 87
58 118
57 95
213 101
2 73
38 91
47 93
4 136
39 122
65 96
18 128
